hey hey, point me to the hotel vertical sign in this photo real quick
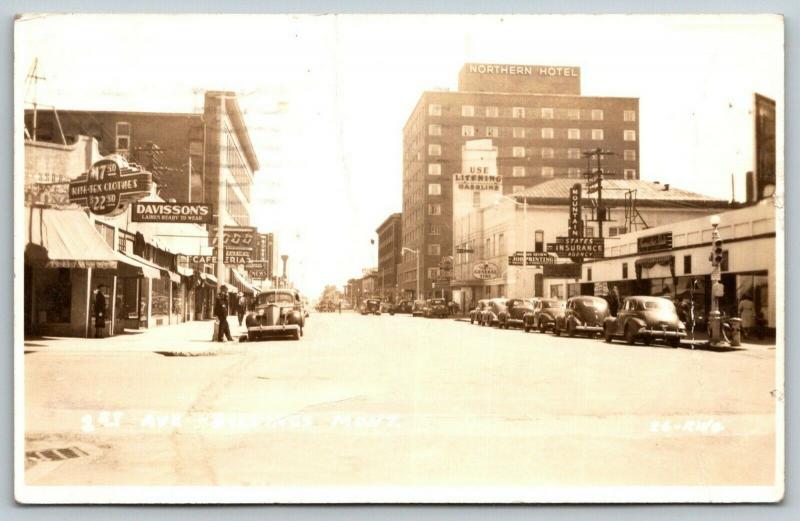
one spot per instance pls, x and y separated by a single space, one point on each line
575 221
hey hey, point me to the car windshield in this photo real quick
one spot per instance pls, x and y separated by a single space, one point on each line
277 298
594 303
658 305
553 304
437 301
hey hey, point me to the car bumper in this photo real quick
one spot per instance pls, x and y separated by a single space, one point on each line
285 329
660 333
594 329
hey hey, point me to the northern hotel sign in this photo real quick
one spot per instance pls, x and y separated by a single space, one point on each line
523 70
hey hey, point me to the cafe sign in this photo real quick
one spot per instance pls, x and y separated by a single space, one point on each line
110 185
485 271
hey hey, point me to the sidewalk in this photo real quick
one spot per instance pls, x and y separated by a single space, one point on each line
189 339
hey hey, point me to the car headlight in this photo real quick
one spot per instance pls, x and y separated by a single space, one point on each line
261 312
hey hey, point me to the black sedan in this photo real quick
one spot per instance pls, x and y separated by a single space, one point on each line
646 319
583 314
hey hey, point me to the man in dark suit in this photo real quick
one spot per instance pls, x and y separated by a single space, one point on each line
99 312
221 312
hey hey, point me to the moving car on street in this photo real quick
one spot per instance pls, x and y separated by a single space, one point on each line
513 314
371 306
436 307
645 319
583 314
476 313
418 308
544 315
491 313
278 312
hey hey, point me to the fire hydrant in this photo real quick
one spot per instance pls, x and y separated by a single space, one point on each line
736 331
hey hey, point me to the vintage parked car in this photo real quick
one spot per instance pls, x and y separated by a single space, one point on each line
371 306
490 316
544 315
645 319
513 315
278 312
583 314
404 306
476 313
436 307
418 308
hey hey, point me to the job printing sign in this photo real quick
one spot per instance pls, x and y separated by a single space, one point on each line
156 212
109 186
531 258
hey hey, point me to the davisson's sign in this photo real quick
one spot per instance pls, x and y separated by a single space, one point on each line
155 212
110 185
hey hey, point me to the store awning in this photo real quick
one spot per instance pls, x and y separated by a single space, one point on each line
139 266
185 272
231 288
649 262
209 279
174 277
243 281
66 239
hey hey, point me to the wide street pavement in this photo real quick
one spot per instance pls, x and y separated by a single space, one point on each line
395 400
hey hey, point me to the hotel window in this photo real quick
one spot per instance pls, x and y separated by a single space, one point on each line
613 231
434 149
468 110
630 173
547 171
574 114
434 130
518 171
589 274
433 273
573 153
434 189
518 112
573 172
629 135
518 132
597 134
517 188
501 245
492 112
434 249
588 231
624 270
629 115
435 209
436 229
123 136
434 169
547 133
597 115
518 151
538 241
434 110
476 199
687 264
467 130
492 132
629 155
574 133
547 113
548 153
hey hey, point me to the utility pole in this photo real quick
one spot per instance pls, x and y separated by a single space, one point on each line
594 180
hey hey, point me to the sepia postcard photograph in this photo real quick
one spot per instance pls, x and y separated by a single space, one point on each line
346 258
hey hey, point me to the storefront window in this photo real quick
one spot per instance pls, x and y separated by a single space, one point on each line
756 288
53 295
684 297
177 299
160 300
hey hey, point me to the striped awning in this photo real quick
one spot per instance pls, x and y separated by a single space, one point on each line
66 239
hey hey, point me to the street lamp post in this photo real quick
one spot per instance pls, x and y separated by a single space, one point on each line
415 252
524 205
715 317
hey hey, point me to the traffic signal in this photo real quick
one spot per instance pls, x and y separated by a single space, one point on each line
716 250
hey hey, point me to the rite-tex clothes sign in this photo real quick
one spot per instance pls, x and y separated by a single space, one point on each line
157 212
110 185
577 247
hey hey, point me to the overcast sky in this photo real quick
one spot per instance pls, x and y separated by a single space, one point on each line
325 97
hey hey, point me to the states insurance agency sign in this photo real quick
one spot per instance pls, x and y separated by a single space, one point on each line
110 185
485 271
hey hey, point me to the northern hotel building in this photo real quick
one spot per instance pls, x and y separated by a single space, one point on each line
540 123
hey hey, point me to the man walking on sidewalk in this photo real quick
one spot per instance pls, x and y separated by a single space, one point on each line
221 312
241 307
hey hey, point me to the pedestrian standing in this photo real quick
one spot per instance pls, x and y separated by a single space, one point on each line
99 312
613 301
241 306
221 312
340 307
747 312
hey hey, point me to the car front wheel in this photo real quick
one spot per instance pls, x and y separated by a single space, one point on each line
570 328
630 334
609 337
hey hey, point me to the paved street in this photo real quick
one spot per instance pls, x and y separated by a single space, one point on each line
395 400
